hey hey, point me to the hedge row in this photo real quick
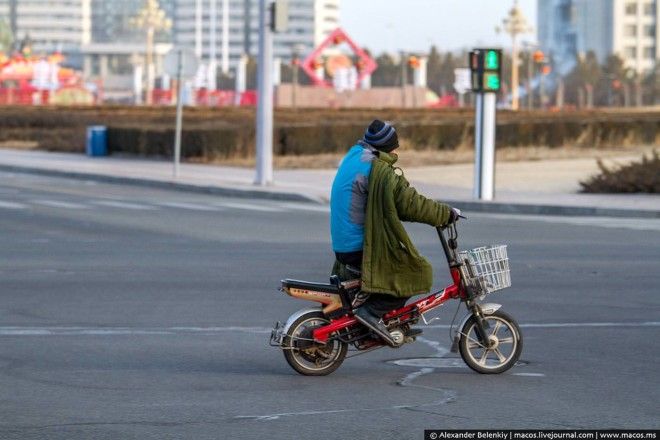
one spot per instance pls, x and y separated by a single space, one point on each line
225 133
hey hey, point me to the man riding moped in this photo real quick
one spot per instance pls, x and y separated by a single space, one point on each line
369 201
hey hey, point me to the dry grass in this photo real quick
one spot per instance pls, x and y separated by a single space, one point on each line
636 177
20 145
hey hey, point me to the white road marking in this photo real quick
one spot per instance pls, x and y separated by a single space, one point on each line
570 324
247 206
638 224
123 205
529 374
189 206
593 324
11 205
110 331
306 207
59 204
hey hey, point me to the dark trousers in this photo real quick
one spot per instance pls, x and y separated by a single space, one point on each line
378 304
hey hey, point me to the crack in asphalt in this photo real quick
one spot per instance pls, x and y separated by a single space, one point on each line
407 381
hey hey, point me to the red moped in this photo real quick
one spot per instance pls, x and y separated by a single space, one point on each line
316 341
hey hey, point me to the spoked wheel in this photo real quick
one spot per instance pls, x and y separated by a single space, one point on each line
504 348
306 356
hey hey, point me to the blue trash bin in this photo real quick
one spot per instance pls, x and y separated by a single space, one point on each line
97 141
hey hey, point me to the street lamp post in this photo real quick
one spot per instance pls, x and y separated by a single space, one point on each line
295 61
515 24
404 79
152 19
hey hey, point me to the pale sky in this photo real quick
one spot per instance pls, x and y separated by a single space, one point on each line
393 25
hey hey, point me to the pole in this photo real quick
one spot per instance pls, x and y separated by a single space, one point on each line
542 92
225 36
179 113
149 64
294 90
478 144
264 171
404 79
514 75
484 170
530 74
240 79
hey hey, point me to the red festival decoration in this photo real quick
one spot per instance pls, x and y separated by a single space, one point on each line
366 64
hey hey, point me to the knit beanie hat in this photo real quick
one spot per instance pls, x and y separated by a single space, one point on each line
381 136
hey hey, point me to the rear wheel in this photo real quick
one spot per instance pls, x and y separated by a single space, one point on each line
306 356
505 344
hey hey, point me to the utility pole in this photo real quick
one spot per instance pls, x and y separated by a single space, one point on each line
152 19
273 17
515 24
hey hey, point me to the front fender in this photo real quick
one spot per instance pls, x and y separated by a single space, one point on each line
487 309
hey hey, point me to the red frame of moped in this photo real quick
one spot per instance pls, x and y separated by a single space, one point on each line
421 306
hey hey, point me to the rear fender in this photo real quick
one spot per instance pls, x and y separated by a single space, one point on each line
297 315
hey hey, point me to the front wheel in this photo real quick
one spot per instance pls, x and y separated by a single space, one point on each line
306 356
505 344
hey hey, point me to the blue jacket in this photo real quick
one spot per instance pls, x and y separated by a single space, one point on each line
348 200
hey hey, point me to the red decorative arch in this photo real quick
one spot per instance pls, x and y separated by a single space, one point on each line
338 36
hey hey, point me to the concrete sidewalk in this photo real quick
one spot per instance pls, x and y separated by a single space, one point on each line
538 187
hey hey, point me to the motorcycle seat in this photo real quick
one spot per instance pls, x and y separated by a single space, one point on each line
306 285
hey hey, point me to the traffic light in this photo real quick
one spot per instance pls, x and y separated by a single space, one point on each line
413 62
538 56
279 16
492 61
486 67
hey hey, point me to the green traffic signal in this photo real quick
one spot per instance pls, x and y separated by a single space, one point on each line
492 60
492 82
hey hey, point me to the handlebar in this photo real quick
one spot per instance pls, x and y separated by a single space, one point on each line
449 244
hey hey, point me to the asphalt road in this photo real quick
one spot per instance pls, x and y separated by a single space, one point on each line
130 313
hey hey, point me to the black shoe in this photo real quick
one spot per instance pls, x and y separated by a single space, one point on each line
375 324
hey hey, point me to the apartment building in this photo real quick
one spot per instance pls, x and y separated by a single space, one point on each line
627 28
62 25
310 21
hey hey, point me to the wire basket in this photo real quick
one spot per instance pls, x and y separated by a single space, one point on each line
490 265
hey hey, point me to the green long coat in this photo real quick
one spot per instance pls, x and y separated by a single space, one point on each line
390 263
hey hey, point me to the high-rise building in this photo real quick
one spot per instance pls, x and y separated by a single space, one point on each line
62 25
627 28
111 20
310 21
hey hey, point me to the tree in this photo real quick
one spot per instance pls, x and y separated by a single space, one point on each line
582 81
388 73
651 86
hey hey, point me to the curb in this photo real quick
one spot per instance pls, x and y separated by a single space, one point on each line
469 206
161 184
552 210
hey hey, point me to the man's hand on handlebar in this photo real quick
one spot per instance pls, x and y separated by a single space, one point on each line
454 215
